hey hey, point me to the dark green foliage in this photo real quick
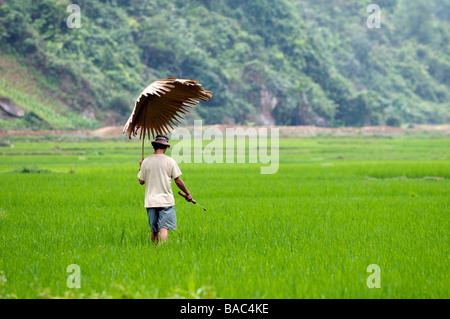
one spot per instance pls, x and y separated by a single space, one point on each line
33 170
33 120
282 62
393 121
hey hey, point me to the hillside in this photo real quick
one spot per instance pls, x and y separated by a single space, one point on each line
299 62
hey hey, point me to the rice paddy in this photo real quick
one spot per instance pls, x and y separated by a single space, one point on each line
335 206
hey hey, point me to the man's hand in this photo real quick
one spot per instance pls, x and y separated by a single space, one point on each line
188 198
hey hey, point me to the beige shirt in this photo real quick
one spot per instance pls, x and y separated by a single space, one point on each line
157 171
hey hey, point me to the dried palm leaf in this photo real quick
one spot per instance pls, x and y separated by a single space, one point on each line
161 105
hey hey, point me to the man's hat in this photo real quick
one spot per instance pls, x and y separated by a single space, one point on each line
162 140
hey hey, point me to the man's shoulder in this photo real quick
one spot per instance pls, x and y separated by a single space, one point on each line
166 158
160 158
149 160
171 159
173 163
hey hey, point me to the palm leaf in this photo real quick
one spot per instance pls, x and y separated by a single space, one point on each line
161 105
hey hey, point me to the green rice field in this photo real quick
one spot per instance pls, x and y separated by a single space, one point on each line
335 206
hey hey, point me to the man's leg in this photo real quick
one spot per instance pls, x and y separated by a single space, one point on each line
153 216
155 238
166 220
164 234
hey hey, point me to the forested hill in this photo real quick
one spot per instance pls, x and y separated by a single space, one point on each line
284 62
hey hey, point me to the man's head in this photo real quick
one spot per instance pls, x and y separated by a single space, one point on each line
161 142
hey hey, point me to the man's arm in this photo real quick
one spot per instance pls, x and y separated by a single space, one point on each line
180 185
140 166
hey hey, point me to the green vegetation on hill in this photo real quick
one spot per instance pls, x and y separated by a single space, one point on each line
44 109
282 62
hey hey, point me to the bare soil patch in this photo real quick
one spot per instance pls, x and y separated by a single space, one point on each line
116 131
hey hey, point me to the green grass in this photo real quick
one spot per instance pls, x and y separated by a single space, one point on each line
310 231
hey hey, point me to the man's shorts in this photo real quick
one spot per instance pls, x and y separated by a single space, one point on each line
162 217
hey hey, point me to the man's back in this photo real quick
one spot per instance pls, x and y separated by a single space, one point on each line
157 171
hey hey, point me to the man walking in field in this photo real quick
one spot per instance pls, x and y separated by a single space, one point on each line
157 172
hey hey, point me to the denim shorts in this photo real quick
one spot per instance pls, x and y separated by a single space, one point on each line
162 217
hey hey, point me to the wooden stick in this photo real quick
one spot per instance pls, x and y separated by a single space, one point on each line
184 195
143 128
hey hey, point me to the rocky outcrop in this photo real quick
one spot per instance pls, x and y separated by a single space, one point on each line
11 109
